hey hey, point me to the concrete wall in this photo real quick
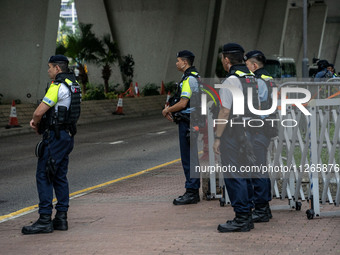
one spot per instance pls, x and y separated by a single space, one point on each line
28 35
154 31
330 47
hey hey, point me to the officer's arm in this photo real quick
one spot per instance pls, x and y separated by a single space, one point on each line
223 115
39 112
178 106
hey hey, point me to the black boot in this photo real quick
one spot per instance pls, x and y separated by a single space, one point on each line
191 196
60 221
42 225
262 213
239 224
250 219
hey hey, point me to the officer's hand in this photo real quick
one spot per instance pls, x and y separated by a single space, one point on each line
33 125
216 146
169 117
165 112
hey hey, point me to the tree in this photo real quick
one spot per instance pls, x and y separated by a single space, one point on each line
107 55
82 48
127 67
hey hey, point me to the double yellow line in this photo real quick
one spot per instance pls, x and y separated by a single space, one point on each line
84 191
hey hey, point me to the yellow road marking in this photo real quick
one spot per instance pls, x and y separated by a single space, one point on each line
84 191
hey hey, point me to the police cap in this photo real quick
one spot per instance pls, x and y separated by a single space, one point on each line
231 48
185 54
58 59
255 54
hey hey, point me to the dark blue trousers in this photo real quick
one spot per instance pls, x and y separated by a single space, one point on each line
237 183
260 181
189 156
59 150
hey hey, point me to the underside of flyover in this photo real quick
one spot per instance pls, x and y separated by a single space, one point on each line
154 31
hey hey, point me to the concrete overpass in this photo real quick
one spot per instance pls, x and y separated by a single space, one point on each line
153 31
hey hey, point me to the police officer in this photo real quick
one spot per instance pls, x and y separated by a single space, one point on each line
260 137
323 72
331 68
55 118
180 111
231 140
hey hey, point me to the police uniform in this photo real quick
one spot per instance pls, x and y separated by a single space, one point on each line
260 140
187 88
323 73
58 130
235 148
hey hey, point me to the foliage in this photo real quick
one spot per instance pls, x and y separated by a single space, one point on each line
94 93
1 96
107 55
81 47
127 68
150 89
63 30
111 95
170 86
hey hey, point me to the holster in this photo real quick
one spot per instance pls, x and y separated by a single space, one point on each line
39 149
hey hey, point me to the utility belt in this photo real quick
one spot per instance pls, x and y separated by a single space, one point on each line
179 116
69 128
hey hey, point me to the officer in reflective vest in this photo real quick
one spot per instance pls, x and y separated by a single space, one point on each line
180 111
55 119
260 139
231 141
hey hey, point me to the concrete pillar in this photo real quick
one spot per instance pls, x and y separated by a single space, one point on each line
331 43
317 14
28 39
98 17
293 34
273 27
241 23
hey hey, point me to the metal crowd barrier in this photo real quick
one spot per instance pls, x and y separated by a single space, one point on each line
307 156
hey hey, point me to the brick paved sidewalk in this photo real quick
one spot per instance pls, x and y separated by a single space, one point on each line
136 216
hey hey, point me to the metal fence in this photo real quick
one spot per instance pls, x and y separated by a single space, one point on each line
307 154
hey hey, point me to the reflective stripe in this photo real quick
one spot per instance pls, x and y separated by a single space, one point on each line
69 82
266 77
186 90
241 74
51 96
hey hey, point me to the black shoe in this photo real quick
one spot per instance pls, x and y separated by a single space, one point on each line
60 221
239 224
190 197
262 213
42 225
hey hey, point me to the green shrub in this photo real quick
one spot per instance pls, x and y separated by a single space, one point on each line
150 89
1 96
111 95
170 86
94 93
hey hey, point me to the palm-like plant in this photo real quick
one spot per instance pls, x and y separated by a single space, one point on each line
107 55
82 48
